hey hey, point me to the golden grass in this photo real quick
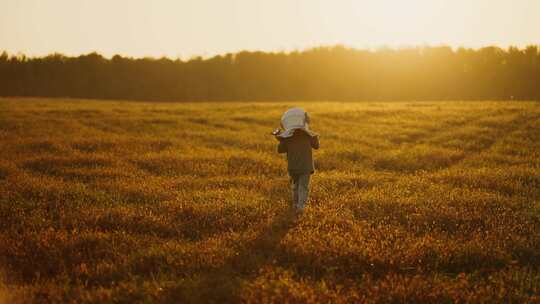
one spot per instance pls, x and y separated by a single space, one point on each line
106 201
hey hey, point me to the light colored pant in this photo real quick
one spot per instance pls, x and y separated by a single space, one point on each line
300 190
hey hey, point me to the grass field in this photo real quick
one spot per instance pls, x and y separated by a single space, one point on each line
126 202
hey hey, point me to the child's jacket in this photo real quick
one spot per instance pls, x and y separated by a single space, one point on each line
298 148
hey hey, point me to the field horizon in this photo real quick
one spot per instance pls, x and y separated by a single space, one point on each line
188 202
333 72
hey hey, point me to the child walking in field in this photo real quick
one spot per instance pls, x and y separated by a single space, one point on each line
297 140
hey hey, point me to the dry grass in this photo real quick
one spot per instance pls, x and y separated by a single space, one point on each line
160 202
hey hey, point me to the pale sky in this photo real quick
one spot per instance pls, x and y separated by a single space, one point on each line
185 28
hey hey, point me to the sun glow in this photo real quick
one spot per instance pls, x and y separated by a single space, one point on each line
207 27
386 22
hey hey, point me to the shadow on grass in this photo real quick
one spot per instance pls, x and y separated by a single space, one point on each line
223 285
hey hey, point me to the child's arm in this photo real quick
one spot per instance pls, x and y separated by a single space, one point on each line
315 142
282 146
276 132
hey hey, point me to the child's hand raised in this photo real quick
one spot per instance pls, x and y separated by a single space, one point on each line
276 132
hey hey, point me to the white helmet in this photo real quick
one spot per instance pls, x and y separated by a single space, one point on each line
293 119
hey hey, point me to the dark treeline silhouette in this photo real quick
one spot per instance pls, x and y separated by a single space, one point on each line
325 73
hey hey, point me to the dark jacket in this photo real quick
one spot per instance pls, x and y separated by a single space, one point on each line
298 148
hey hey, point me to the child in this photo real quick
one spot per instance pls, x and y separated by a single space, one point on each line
297 141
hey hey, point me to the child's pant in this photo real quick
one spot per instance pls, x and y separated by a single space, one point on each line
300 189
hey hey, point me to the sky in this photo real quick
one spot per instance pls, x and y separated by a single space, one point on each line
187 28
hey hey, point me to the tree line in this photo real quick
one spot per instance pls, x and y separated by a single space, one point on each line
323 73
